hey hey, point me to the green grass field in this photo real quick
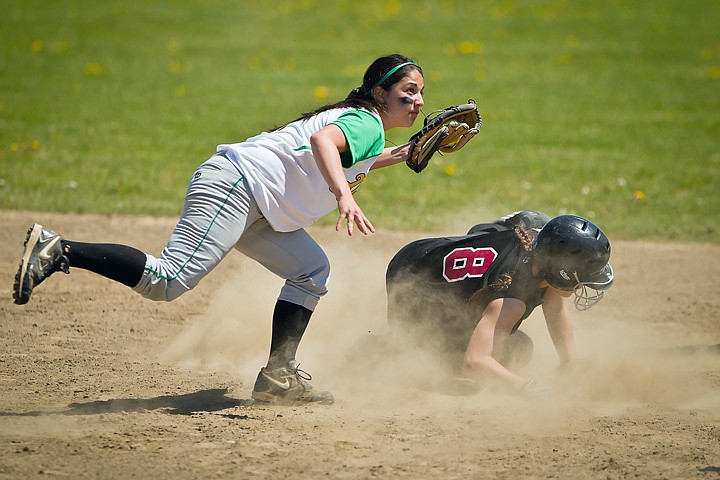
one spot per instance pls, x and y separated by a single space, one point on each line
610 110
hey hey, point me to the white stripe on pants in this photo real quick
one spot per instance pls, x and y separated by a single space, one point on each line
220 214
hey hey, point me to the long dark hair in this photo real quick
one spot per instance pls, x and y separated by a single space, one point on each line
362 97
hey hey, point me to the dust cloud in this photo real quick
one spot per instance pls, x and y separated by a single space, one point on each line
621 363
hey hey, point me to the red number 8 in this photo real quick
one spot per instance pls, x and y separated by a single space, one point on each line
467 262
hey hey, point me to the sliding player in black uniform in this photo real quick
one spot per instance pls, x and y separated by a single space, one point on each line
465 297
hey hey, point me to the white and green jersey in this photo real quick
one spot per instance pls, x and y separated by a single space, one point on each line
283 176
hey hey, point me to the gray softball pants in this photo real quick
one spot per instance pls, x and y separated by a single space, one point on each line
220 214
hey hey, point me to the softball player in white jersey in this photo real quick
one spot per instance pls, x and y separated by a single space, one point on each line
257 196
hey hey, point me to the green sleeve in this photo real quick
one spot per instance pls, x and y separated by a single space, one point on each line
364 134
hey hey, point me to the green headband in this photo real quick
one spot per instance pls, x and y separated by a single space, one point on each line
387 75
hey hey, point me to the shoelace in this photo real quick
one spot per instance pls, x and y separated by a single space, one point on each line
302 376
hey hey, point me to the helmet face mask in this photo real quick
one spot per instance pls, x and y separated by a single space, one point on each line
588 294
573 255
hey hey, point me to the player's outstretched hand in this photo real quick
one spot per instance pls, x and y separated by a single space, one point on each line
351 213
534 389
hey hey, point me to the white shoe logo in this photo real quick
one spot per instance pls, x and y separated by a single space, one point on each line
44 255
283 385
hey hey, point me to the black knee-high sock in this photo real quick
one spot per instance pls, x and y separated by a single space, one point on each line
117 262
289 324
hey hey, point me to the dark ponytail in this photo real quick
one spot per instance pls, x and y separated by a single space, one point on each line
379 74
504 280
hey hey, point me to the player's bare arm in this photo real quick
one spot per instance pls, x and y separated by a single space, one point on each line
559 324
327 144
392 156
500 314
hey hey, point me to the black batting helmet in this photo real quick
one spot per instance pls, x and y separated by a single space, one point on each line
573 254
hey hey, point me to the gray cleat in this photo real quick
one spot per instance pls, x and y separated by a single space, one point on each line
43 256
287 386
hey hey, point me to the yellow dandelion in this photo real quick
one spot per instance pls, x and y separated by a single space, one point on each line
36 45
639 195
470 48
713 73
563 58
94 69
450 170
61 47
35 145
392 7
320 93
174 67
254 63
14 147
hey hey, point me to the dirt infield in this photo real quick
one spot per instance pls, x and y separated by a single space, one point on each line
100 383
